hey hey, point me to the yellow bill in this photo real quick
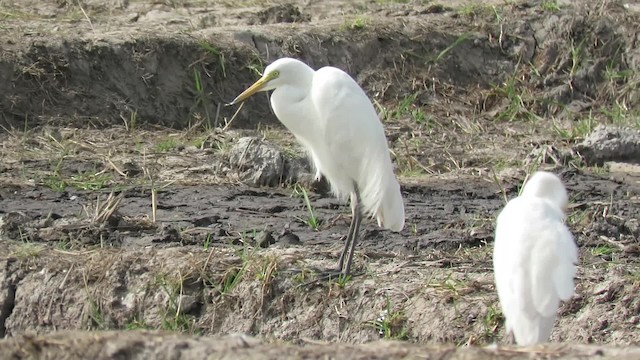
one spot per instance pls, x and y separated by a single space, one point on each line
257 86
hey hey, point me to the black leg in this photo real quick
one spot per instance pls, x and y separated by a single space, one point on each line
357 219
346 257
349 239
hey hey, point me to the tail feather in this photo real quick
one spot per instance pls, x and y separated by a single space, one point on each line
391 213
381 195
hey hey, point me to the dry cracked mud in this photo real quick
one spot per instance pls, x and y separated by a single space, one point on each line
131 228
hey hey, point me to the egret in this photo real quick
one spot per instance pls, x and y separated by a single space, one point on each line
336 123
534 258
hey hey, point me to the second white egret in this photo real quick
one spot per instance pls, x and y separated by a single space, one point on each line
534 258
334 120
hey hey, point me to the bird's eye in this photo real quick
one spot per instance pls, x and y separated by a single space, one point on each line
275 74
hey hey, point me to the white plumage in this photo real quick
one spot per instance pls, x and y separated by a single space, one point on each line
534 258
332 117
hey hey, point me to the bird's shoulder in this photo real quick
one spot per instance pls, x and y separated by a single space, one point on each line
525 223
337 97
529 209
536 227
331 70
333 77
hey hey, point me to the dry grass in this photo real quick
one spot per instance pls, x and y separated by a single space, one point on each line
112 159
246 284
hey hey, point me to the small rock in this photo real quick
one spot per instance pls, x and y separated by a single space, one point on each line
258 163
264 239
189 304
131 169
206 221
610 143
168 234
289 238
133 17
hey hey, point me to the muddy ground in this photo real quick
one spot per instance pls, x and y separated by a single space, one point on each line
125 210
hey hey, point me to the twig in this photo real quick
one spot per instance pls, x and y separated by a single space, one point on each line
75 253
65 277
204 267
215 121
154 203
85 14
499 183
226 126
181 294
103 211
116 168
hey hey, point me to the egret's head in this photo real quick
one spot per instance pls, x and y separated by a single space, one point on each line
281 71
547 186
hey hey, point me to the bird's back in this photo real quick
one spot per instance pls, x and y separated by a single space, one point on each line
352 146
534 257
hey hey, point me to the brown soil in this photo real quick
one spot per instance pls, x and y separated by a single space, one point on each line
106 105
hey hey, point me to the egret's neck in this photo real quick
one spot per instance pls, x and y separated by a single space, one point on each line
291 95
292 106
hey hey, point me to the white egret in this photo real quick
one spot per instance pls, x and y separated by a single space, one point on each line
534 258
334 120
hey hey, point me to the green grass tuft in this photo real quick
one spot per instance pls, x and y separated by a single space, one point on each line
166 145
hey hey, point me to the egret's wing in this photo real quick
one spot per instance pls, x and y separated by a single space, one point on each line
565 272
511 248
346 115
343 136
552 264
354 145
313 155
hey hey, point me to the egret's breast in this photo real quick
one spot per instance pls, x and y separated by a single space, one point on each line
295 112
